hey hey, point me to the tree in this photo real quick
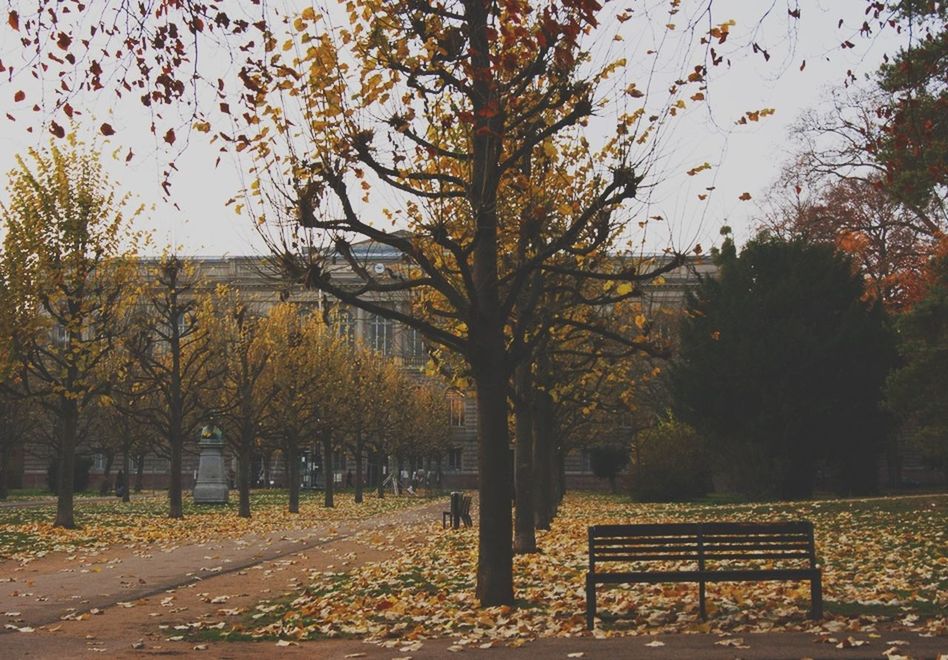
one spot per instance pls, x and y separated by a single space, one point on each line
914 145
68 255
781 365
172 350
242 353
309 378
451 104
918 390
861 218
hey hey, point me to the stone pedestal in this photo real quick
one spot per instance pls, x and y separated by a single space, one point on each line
211 484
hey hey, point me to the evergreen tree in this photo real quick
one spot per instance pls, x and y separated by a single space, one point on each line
781 367
918 391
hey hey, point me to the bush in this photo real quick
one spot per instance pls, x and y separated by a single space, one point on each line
608 460
80 475
671 464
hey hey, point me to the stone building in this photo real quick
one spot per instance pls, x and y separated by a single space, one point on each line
260 286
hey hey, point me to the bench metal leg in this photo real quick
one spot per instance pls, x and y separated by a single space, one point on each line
590 604
701 602
816 597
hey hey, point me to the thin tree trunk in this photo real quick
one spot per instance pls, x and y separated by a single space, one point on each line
126 467
139 473
293 476
244 459
4 470
525 539
106 484
358 471
561 476
67 464
267 458
542 461
380 457
327 461
175 506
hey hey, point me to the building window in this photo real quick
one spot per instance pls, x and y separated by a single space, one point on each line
381 333
456 410
416 343
98 462
454 459
344 324
60 334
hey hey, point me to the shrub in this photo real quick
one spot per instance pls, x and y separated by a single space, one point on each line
608 460
670 464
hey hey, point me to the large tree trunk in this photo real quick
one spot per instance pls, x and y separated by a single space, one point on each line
293 476
69 416
358 471
244 461
525 540
175 506
327 462
543 460
495 552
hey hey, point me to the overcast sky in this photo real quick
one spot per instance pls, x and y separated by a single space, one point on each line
745 158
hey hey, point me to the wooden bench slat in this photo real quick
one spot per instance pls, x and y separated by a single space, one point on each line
656 577
605 541
787 527
693 546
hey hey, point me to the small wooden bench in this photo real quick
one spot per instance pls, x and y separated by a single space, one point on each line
464 514
728 548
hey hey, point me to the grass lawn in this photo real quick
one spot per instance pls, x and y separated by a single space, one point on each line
27 533
884 566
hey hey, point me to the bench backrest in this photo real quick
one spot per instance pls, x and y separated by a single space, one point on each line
465 506
702 542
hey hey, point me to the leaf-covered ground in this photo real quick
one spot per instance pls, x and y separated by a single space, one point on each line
27 533
885 566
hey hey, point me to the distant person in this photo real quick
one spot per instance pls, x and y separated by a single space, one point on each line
349 479
120 486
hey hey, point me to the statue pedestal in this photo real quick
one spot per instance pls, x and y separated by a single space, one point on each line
211 484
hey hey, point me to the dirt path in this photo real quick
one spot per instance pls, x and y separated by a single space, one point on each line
121 594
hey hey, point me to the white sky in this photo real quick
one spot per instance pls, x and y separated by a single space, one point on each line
745 158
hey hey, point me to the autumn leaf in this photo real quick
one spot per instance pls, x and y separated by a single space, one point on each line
106 129
169 136
745 196
13 20
56 129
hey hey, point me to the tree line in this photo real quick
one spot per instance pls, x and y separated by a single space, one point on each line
124 356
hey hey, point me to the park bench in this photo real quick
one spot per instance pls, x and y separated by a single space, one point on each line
461 514
713 552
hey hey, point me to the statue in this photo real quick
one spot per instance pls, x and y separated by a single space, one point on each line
211 484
